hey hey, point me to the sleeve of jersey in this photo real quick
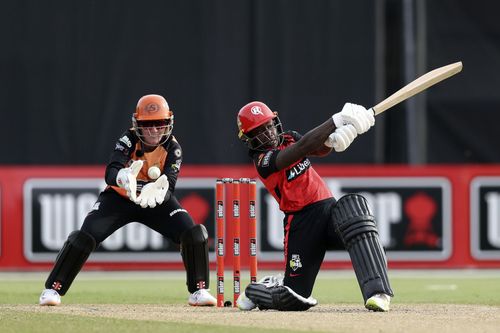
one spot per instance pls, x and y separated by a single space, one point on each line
173 163
265 162
119 157
295 135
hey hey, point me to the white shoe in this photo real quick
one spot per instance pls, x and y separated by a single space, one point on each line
244 303
202 297
378 302
50 297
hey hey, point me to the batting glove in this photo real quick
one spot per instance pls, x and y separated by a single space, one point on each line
341 138
356 115
153 193
127 179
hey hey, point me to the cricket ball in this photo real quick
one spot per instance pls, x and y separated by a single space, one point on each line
154 172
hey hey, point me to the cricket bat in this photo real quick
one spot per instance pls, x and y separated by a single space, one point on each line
418 85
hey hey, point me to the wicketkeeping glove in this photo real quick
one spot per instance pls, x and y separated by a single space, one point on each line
153 193
341 138
356 115
127 179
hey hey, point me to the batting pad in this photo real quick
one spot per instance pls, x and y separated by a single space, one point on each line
355 224
70 260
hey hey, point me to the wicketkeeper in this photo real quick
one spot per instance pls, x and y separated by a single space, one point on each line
141 177
314 219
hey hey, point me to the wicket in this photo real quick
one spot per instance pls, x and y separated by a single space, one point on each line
229 189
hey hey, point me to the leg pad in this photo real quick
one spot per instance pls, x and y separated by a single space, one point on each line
194 251
355 224
70 260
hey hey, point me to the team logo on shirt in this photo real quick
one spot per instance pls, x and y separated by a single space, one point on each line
298 169
295 262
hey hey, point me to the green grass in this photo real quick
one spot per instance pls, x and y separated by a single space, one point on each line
459 287
16 322
449 287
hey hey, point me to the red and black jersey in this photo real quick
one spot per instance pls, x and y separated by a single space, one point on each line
167 157
297 185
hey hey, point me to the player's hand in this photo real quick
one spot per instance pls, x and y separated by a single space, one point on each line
356 115
127 179
341 138
153 193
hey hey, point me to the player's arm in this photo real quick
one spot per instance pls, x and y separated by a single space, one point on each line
172 163
119 157
321 151
338 133
312 142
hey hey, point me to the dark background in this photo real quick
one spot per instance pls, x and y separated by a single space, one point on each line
72 71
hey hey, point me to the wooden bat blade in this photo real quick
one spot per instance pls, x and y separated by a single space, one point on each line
418 85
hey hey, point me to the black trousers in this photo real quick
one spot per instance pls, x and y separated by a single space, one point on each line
308 234
112 211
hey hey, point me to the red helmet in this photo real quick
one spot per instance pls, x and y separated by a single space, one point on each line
253 115
153 110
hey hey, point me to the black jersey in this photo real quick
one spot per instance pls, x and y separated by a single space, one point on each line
167 157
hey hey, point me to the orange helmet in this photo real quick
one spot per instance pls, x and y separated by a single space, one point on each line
153 111
253 115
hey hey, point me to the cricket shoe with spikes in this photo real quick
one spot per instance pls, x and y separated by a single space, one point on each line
50 297
202 297
378 302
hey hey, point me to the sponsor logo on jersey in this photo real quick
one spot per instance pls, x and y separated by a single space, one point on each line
172 213
177 153
298 169
266 159
125 139
259 160
96 205
119 147
177 165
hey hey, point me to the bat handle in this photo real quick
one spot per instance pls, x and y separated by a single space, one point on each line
373 110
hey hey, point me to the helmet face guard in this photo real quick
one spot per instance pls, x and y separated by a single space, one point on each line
154 130
153 121
270 137
253 116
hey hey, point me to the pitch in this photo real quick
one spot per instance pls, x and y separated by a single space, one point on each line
430 301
